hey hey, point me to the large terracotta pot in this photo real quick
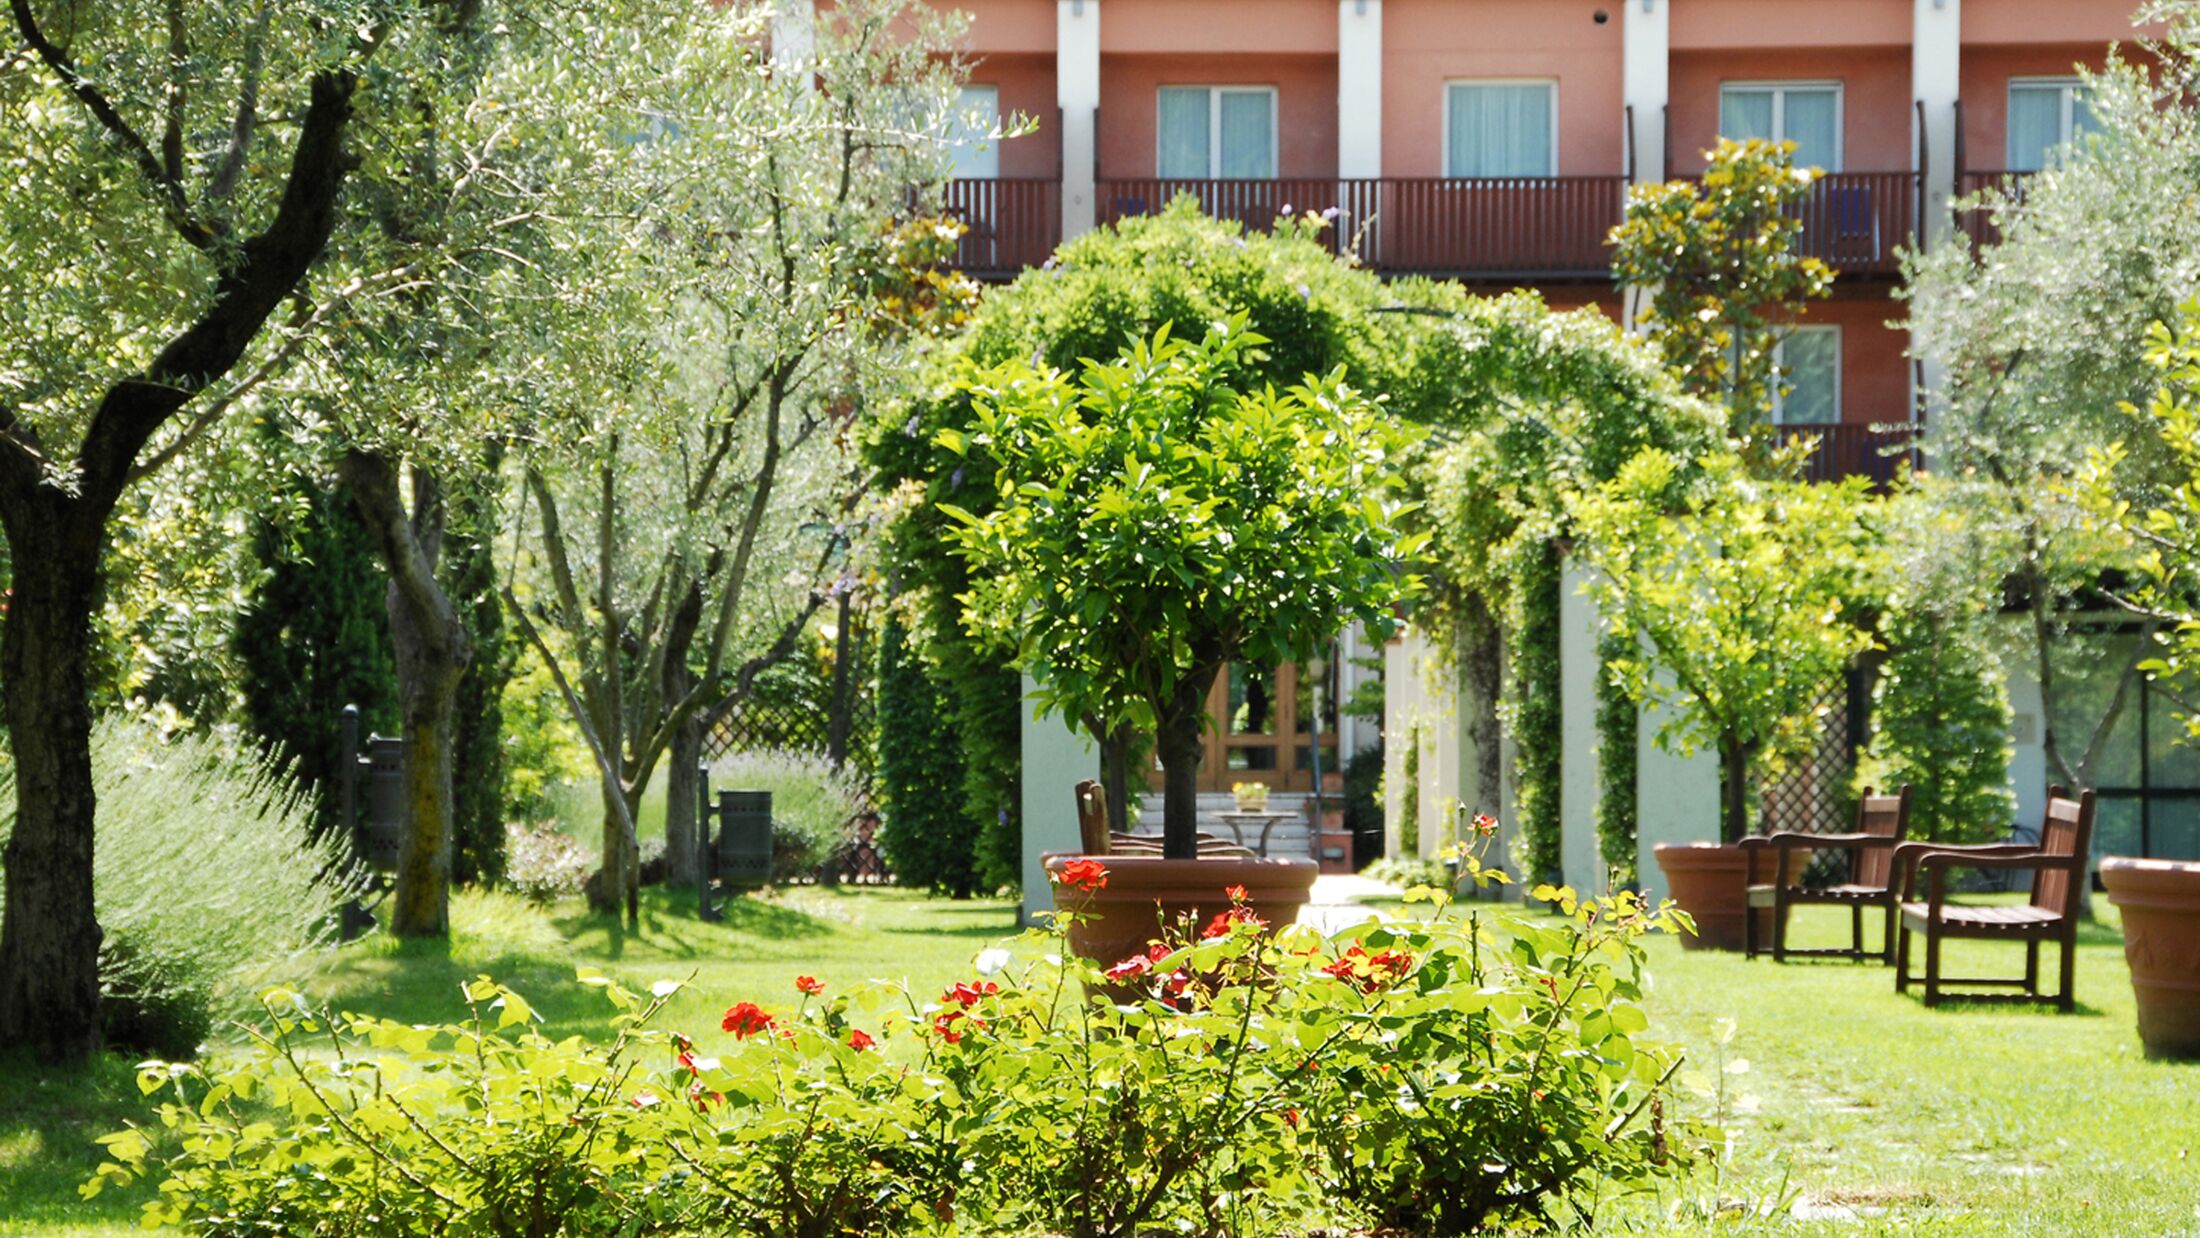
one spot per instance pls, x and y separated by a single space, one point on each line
1144 892
2160 902
1710 881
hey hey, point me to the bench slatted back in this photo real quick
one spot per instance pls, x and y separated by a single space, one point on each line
2067 830
1092 817
1883 816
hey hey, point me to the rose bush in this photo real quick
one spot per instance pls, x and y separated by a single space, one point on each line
1438 1075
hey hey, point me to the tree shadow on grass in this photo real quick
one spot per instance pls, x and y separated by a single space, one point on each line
671 927
979 921
48 1119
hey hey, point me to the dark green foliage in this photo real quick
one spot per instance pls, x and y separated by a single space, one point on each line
987 706
1619 723
478 762
314 637
1940 722
1409 795
1536 712
1363 800
928 836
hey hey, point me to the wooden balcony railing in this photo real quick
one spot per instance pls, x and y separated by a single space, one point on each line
1013 223
1854 221
1550 227
1979 224
1842 451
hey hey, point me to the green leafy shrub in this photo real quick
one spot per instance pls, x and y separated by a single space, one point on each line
813 804
1438 1076
1408 871
1619 730
207 877
925 828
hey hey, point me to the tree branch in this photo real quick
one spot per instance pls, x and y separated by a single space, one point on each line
248 109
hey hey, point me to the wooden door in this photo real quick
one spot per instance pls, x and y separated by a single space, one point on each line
1261 730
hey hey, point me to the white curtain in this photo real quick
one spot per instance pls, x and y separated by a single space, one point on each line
2036 131
1183 120
1812 358
1248 134
975 155
1500 129
1809 116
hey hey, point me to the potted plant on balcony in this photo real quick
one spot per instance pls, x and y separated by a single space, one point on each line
1747 601
1154 521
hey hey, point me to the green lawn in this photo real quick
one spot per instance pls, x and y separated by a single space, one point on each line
1839 1095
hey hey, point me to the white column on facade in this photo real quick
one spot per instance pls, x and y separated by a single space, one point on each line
1936 74
1645 72
1359 89
794 31
1936 65
1077 91
1055 760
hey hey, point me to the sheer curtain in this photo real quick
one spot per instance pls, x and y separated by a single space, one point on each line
1500 129
1812 358
1248 134
2038 127
975 154
1183 120
1809 116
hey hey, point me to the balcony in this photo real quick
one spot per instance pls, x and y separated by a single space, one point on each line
1977 224
1855 221
1011 223
1474 229
1843 451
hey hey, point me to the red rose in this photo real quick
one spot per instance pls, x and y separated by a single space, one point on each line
1224 921
809 984
1086 875
968 995
1130 969
1236 893
747 1019
860 1040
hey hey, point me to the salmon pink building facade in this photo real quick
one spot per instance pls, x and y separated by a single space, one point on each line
1492 141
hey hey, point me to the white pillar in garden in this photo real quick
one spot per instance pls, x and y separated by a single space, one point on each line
1645 75
1077 91
1676 799
1055 760
1579 857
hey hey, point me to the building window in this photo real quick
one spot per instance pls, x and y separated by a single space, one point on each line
2046 117
973 153
1216 133
1807 115
1810 368
1501 129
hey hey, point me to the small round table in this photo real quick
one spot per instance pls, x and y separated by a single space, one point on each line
1265 819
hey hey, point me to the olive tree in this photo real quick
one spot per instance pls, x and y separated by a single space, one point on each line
174 176
1154 519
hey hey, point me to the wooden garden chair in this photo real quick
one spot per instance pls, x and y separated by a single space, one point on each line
1098 839
2058 867
1881 822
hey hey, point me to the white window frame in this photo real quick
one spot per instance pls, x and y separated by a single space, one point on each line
1779 359
2070 87
1444 102
1214 126
1779 92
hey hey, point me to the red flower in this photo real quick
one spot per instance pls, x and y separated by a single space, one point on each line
859 1040
1291 1116
1370 972
944 1026
968 995
1086 875
642 1100
702 1100
1130 969
1483 825
1157 951
1236 893
809 984
1224 921
748 1019
687 1061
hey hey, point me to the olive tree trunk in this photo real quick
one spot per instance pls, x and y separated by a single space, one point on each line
1734 760
432 649
49 940
1177 736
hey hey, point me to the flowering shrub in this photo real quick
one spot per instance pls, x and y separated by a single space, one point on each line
1435 1076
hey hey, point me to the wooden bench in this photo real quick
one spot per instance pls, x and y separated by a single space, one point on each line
2058 867
1881 823
1098 839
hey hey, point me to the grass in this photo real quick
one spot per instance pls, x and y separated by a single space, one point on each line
1852 1110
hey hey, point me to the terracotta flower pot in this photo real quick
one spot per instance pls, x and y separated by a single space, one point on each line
1710 881
1144 892
2160 902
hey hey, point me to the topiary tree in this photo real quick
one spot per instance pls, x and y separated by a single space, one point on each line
1154 520
1718 255
1746 598
927 837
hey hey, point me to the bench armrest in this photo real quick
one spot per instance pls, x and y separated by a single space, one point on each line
1937 865
1907 856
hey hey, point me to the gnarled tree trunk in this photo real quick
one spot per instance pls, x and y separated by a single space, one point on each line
49 942
432 650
